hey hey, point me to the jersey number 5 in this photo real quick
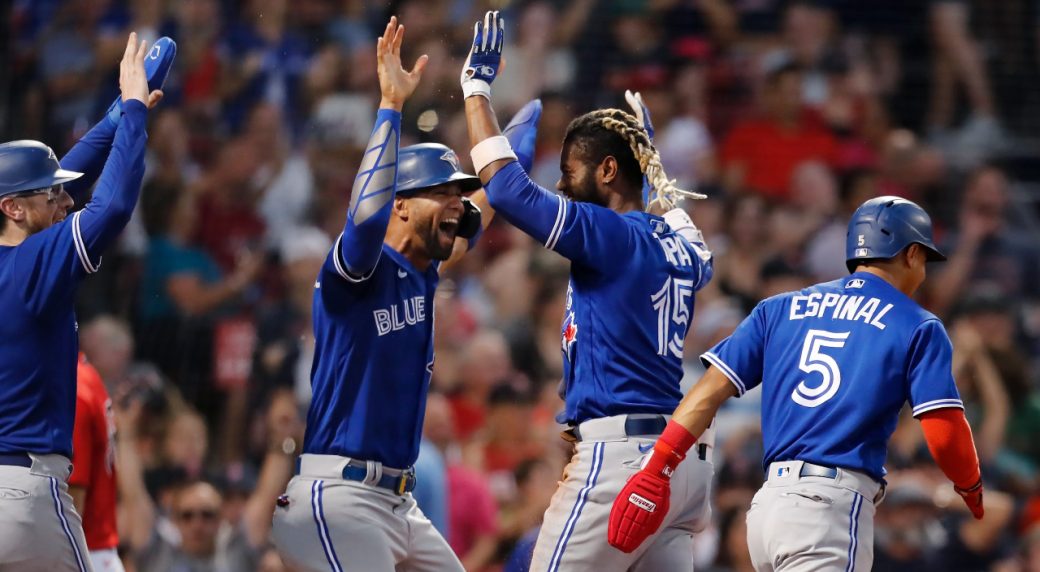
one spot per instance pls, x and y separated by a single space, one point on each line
673 315
813 360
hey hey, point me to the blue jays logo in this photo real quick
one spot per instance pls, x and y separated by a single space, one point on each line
452 160
570 334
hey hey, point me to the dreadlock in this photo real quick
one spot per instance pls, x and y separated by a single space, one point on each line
617 133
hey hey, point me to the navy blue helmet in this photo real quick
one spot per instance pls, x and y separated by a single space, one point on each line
882 227
30 165
428 165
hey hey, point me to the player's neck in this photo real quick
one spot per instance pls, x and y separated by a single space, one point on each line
407 245
13 234
618 203
898 281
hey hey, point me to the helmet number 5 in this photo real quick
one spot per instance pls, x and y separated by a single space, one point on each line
814 360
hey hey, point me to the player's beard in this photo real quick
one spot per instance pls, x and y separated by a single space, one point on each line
585 191
439 244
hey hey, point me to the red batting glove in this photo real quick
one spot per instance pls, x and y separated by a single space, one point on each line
973 498
642 504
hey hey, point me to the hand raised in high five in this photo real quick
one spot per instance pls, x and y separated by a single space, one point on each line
395 83
133 80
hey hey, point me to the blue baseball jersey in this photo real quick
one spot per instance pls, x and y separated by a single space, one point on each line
38 280
836 362
373 326
630 299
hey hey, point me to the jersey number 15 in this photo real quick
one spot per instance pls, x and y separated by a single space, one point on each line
673 315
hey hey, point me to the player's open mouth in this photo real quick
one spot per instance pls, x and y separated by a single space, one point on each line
449 226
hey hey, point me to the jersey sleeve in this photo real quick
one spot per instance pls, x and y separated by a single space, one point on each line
587 234
739 357
703 260
88 156
83 438
359 246
930 369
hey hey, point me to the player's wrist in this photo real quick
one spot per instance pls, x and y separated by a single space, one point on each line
670 450
472 87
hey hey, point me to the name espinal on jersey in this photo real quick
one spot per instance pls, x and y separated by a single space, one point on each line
866 309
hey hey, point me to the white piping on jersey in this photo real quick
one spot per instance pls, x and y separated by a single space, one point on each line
341 267
937 404
557 229
81 247
725 369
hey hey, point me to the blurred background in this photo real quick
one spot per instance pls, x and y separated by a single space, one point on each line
788 114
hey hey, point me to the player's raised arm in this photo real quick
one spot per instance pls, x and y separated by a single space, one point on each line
89 154
108 211
372 197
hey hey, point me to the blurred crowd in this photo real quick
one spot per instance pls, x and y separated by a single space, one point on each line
787 113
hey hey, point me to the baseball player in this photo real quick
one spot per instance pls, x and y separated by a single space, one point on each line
629 305
350 506
92 483
43 257
836 362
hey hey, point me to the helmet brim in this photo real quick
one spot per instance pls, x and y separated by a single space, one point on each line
469 184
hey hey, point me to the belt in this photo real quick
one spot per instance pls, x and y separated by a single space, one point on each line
356 470
16 460
814 470
642 426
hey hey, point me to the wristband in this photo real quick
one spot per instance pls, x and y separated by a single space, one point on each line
490 150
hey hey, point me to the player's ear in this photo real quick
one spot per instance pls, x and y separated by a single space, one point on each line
12 209
400 207
608 169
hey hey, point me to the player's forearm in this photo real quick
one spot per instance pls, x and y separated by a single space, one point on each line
482 124
698 408
274 476
138 507
372 197
117 191
88 156
949 440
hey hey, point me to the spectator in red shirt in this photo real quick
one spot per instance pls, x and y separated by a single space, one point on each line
761 153
93 481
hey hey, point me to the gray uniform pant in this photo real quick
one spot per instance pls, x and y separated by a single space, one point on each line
336 525
810 523
39 528
574 531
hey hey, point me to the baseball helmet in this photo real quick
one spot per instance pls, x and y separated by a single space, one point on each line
428 165
882 227
30 165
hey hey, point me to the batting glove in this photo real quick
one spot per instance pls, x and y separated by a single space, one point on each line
469 222
973 498
157 66
522 132
642 504
485 56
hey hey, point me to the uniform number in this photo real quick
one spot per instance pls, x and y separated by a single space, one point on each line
673 315
814 360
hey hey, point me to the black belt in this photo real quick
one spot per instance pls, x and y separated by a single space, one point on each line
16 460
640 426
357 470
813 470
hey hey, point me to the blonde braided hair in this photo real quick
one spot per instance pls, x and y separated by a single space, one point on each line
663 191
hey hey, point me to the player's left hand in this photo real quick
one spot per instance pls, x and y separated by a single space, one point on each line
396 84
973 499
469 222
485 56
522 132
638 510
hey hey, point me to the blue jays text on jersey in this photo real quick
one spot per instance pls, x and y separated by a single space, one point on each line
38 280
373 327
630 298
836 362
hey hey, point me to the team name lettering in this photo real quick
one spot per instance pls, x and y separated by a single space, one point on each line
408 313
840 307
675 251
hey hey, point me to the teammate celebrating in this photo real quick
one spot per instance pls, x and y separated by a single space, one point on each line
629 305
350 507
43 257
836 362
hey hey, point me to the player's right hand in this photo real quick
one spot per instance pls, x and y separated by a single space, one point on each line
638 510
522 132
133 81
973 498
485 56
395 83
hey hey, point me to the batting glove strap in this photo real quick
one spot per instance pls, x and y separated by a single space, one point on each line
485 56
638 510
972 498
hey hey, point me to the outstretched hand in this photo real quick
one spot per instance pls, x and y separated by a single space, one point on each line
396 84
133 81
